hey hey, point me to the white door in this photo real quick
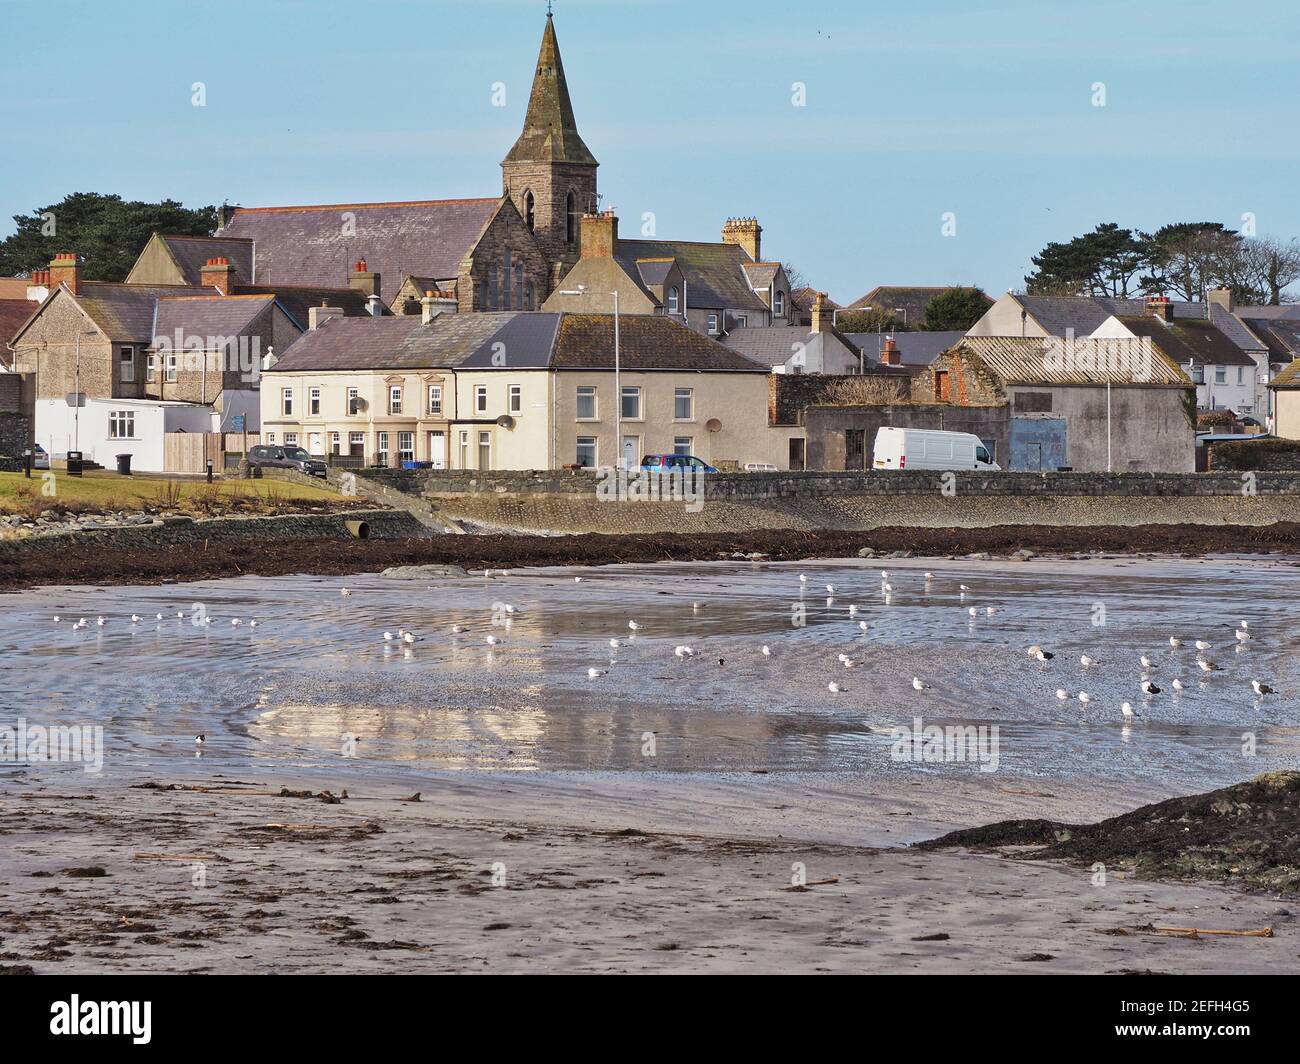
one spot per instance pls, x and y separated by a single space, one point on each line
316 444
438 449
630 457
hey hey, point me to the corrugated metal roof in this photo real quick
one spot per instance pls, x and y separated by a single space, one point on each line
1034 360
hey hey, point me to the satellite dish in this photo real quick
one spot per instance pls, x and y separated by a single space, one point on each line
713 425
506 421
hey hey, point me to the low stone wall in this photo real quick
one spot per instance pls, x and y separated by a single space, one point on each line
179 531
436 484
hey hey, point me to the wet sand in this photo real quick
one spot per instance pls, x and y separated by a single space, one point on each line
528 874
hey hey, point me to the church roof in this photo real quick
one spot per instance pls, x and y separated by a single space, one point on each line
550 130
316 245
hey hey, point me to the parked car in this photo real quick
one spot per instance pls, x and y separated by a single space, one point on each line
668 463
40 460
269 456
930 449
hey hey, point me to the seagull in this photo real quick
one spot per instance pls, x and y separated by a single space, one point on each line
929 576
1087 662
81 623
834 688
1147 663
1035 649
252 624
803 579
842 657
884 575
409 637
345 592
1243 624
767 651
886 589
990 610
1208 666
962 588
697 606
849 663
457 629
1178 684
863 625
56 619
136 618
634 626
615 643
830 589
577 580
1062 693
388 637
684 652
1127 710
1175 642
593 673
1242 635
1201 644
235 622
1149 688
1084 697
101 622
1044 655
160 617
200 739
492 640
853 611
973 612
1262 689
917 685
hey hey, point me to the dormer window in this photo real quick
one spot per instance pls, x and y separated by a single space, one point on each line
778 304
674 300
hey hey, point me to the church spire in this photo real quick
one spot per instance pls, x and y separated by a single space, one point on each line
550 130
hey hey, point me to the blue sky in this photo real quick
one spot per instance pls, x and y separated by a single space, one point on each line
913 110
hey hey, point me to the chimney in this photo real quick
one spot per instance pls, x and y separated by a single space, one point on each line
890 355
599 235
362 280
66 270
38 286
1161 308
823 318
219 274
374 306
745 233
1220 296
319 317
435 304
225 214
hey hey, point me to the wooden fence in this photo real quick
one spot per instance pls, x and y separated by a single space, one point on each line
189 452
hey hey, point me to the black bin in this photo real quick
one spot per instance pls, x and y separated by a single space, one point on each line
124 464
74 463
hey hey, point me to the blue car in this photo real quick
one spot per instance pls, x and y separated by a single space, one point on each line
669 463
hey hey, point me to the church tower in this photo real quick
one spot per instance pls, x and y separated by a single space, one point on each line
550 175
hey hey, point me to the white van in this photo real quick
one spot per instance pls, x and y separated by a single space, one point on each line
930 449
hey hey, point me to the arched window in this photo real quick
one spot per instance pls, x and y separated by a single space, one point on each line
530 210
779 304
571 214
674 301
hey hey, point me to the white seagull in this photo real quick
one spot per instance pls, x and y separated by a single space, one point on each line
834 688
684 652
1201 644
1147 663
1148 688
345 592
1062 693
1262 689
1127 710
492 640
634 626
767 651
1087 662
1178 684
1208 666
1175 642
917 685
1084 697
593 673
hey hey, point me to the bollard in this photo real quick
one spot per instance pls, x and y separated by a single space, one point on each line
27 463
209 470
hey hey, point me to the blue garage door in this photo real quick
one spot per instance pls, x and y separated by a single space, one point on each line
1037 444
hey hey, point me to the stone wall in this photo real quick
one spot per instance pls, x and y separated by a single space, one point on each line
790 394
827 427
15 434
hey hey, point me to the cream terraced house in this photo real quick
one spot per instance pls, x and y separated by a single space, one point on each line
517 391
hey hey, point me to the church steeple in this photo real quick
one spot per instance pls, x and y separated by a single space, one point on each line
550 130
550 175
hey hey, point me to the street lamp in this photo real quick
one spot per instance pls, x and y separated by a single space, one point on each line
902 311
581 290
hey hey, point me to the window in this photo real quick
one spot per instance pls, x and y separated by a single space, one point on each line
713 325
357 444
631 403
291 439
942 385
485 450
778 304
383 449
1198 374
684 404
270 437
516 399
742 321
336 443
530 296
151 369
354 402
587 452
571 218
126 356
435 398
172 373
464 450
286 402
313 402
530 210
586 402
480 399
1220 374
395 399
1241 374
682 444
121 425
406 446
494 287
674 300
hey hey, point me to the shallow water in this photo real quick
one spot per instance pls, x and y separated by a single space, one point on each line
287 694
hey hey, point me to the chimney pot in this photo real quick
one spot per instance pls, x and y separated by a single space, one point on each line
65 270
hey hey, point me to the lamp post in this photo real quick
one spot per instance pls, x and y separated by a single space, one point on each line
618 380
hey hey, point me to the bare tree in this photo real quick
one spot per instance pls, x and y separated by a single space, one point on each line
1265 267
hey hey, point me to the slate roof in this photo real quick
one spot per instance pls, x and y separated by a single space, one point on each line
1280 335
1025 360
126 311
760 274
714 273
13 314
298 300
805 297
530 340
1286 310
654 272
769 346
1189 340
308 245
191 252
912 298
916 348
199 315
550 131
